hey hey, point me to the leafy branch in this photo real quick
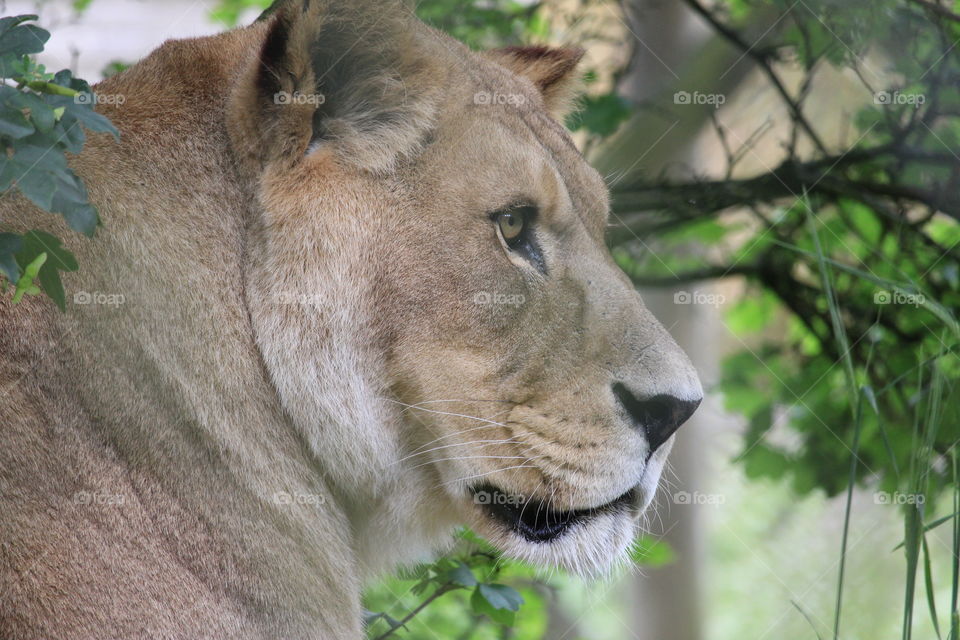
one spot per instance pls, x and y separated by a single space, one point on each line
42 119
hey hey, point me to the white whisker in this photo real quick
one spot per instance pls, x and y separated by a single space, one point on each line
457 444
480 475
423 464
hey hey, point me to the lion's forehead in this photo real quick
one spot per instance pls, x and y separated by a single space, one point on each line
583 185
519 151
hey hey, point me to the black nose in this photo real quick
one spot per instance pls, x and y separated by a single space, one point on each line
658 416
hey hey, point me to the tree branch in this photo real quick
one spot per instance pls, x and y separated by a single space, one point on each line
761 60
442 589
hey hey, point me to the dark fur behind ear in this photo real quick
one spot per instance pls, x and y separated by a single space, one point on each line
347 75
379 85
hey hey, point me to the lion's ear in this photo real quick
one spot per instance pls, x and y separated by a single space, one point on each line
345 76
551 69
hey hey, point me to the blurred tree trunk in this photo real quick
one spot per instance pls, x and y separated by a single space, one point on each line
674 51
667 603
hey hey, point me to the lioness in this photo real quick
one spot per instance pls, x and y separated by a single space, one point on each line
361 298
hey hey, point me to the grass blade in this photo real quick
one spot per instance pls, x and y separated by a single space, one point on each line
928 582
933 525
955 615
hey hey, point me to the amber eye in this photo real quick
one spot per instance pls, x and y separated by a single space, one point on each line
512 224
516 225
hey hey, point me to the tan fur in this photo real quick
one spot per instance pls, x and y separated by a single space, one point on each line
233 450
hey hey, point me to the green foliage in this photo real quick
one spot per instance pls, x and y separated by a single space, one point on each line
850 365
113 68
42 118
228 11
852 262
601 115
649 551
484 25
470 593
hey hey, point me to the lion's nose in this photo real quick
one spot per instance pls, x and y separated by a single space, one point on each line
659 416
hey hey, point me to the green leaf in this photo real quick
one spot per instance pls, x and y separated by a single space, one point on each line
22 38
461 575
651 552
10 244
13 124
601 115
40 113
752 313
36 183
45 179
763 462
25 283
500 596
482 606
10 22
58 259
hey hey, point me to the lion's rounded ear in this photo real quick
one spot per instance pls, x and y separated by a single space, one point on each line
349 76
551 69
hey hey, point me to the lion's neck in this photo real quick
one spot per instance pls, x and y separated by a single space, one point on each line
206 380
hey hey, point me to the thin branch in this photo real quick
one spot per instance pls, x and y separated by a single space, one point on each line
442 589
706 273
938 9
761 60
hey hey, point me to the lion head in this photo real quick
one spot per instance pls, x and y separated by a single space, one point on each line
432 294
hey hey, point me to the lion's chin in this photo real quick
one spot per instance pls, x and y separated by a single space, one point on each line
587 542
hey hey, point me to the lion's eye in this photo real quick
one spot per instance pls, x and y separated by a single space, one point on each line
515 225
511 225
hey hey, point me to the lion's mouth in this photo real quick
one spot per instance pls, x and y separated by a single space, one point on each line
534 520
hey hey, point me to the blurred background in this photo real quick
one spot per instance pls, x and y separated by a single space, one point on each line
786 187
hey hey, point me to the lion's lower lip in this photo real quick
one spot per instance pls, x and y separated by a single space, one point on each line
535 520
